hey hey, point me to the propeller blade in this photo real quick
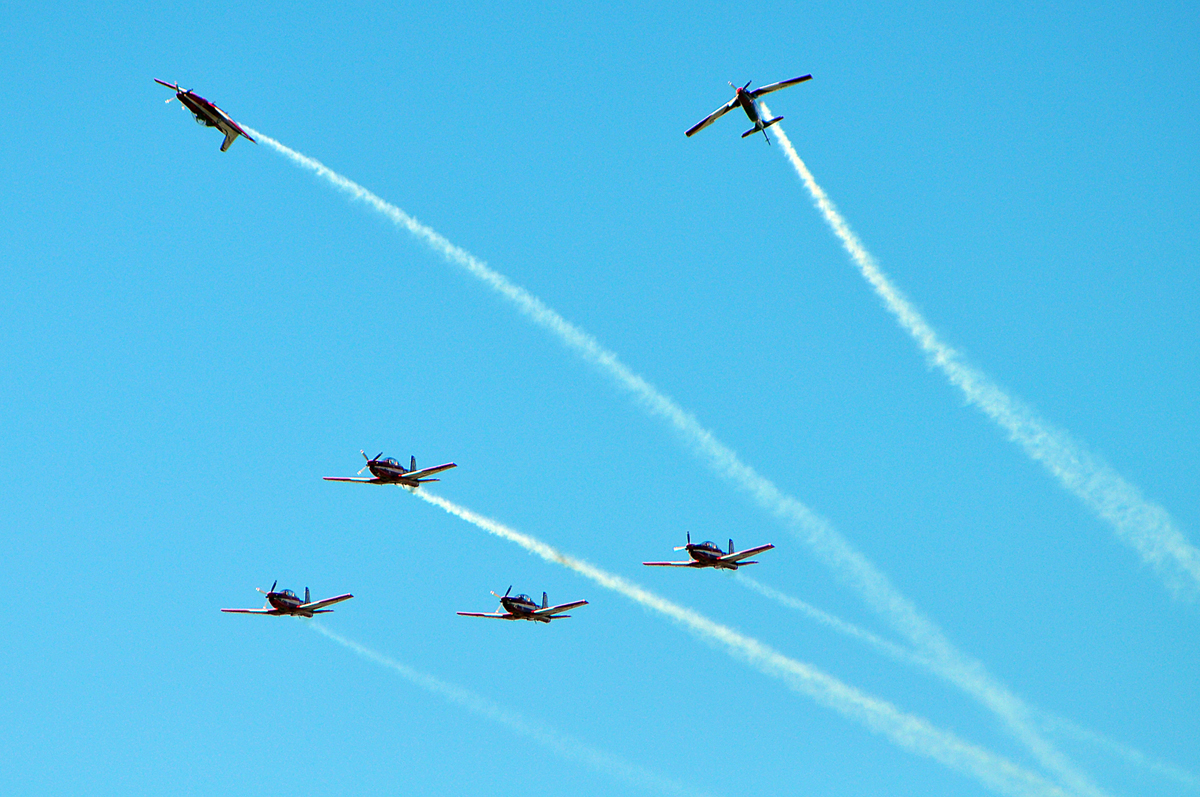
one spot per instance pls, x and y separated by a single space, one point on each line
508 590
748 82
377 456
364 453
689 542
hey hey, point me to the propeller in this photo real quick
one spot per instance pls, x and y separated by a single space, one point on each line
369 461
274 584
505 595
689 534
735 88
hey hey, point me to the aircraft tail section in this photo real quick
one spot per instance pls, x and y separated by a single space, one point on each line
545 601
752 131
412 463
306 599
229 137
770 122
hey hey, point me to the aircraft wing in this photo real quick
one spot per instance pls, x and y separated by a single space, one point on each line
417 474
670 564
235 126
783 84
251 611
493 615
562 607
315 605
168 85
738 556
714 116
353 479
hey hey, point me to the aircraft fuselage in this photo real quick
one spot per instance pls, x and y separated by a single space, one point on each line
710 556
522 609
749 106
392 473
284 602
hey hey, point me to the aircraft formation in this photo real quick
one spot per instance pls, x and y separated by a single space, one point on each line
513 607
391 471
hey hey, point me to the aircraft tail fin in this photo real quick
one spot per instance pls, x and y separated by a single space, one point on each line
545 601
306 600
229 137
731 546
412 463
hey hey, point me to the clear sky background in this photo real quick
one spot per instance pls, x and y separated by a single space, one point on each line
191 339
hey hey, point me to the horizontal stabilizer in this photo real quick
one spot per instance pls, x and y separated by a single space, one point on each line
773 121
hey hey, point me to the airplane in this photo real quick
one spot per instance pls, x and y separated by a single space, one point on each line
522 607
389 471
709 554
287 603
749 102
207 114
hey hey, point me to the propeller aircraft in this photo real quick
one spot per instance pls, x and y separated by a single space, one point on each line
207 114
748 100
286 602
389 471
522 607
709 554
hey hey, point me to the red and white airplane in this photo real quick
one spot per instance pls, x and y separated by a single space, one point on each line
389 471
748 100
287 602
709 554
207 114
522 607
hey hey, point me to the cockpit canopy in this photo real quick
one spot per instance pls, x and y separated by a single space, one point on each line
523 599
287 593
710 544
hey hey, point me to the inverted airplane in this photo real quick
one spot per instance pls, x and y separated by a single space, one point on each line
207 114
286 602
748 100
522 607
709 554
389 471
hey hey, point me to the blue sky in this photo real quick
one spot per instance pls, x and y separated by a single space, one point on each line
192 339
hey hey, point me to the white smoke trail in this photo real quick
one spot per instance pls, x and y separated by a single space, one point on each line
889 649
909 731
1165 769
1144 525
560 743
1051 723
818 533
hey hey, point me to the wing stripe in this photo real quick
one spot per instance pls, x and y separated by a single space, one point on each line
783 84
712 117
